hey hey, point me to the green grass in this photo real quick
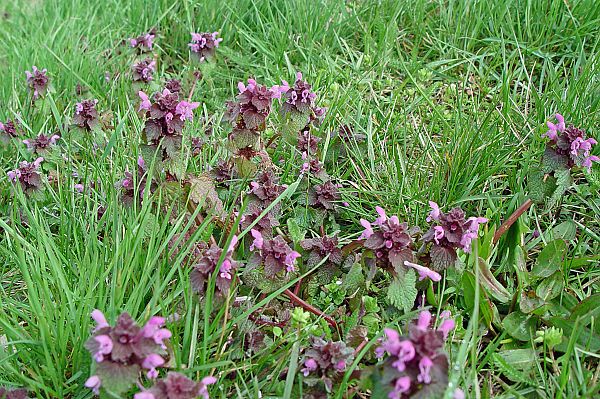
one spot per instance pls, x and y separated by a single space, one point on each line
452 97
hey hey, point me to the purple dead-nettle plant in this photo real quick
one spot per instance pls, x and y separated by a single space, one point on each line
143 70
177 386
166 117
300 105
223 171
325 195
416 363
37 80
8 131
326 362
273 253
314 167
204 45
41 144
451 231
208 262
390 240
143 42
121 352
568 145
16 393
266 224
86 116
28 176
319 248
266 188
173 85
307 142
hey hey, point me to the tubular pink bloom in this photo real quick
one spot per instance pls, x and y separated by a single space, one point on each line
446 314
105 346
435 212
225 270
144 395
151 362
54 139
561 122
458 394
232 244
160 336
79 188
184 110
438 234
94 384
391 344
309 365
205 382
446 327
241 87
587 162
402 386
290 259
38 161
382 216
425 367
99 318
258 240
78 108
152 326
341 365
424 320
13 175
405 353
141 163
145 101
424 272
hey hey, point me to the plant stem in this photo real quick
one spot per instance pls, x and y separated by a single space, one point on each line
300 302
511 220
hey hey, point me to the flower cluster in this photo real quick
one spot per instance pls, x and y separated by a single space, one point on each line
37 81
324 195
173 85
307 142
325 361
143 42
41 144
28 176
206 264
19 393
450 232
265 189
249 112
177 386
274 253
300 99
8 130
320 247
86 115
569 144
390 240
126 346
417 360
166 119
203 45
143 70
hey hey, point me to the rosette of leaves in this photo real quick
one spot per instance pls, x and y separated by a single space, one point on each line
325 363
29 178
207 263
15 393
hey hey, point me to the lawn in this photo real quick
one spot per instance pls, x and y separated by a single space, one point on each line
253 232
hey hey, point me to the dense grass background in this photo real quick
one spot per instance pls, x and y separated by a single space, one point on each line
451 95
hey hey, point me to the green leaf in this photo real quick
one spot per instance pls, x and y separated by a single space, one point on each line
297 233
585 337
493 286
550 287
116 378
520 326
586 309
563 183
567 230
540 185
530 301
516 364
551 161
203 193
402 292
550 259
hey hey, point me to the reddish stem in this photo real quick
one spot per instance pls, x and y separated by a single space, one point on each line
300 302
511 220
297 287
360 346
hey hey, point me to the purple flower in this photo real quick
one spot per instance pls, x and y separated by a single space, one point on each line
99 318
151 362
401 386
104 347
145 104
258 240
309 366
203 45
184 110
28 176
143 42
37 81
326 360
320 247
144 395
8 130
173 85
94 384
368 232
42 143
178 386
274 253
424 272
205 265
86 115
143 70
569 145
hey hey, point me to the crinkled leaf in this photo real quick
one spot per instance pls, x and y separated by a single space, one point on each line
552 161
516 364
296 233
564 180
203 193
442 257
530 301
117 378
402 292
566 230
540 185
397 259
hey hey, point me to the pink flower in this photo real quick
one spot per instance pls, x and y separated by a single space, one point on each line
203 391
94 384
402 386
99 318
553 129
438 234
225 270
446 326
105 346
184 110
405 353
424 320
232 244
258 240
151 362
425 367
144 395
435 212
290 259
368 232
160 336
152 326
309 365
382 216
424 272
458 394
146 104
